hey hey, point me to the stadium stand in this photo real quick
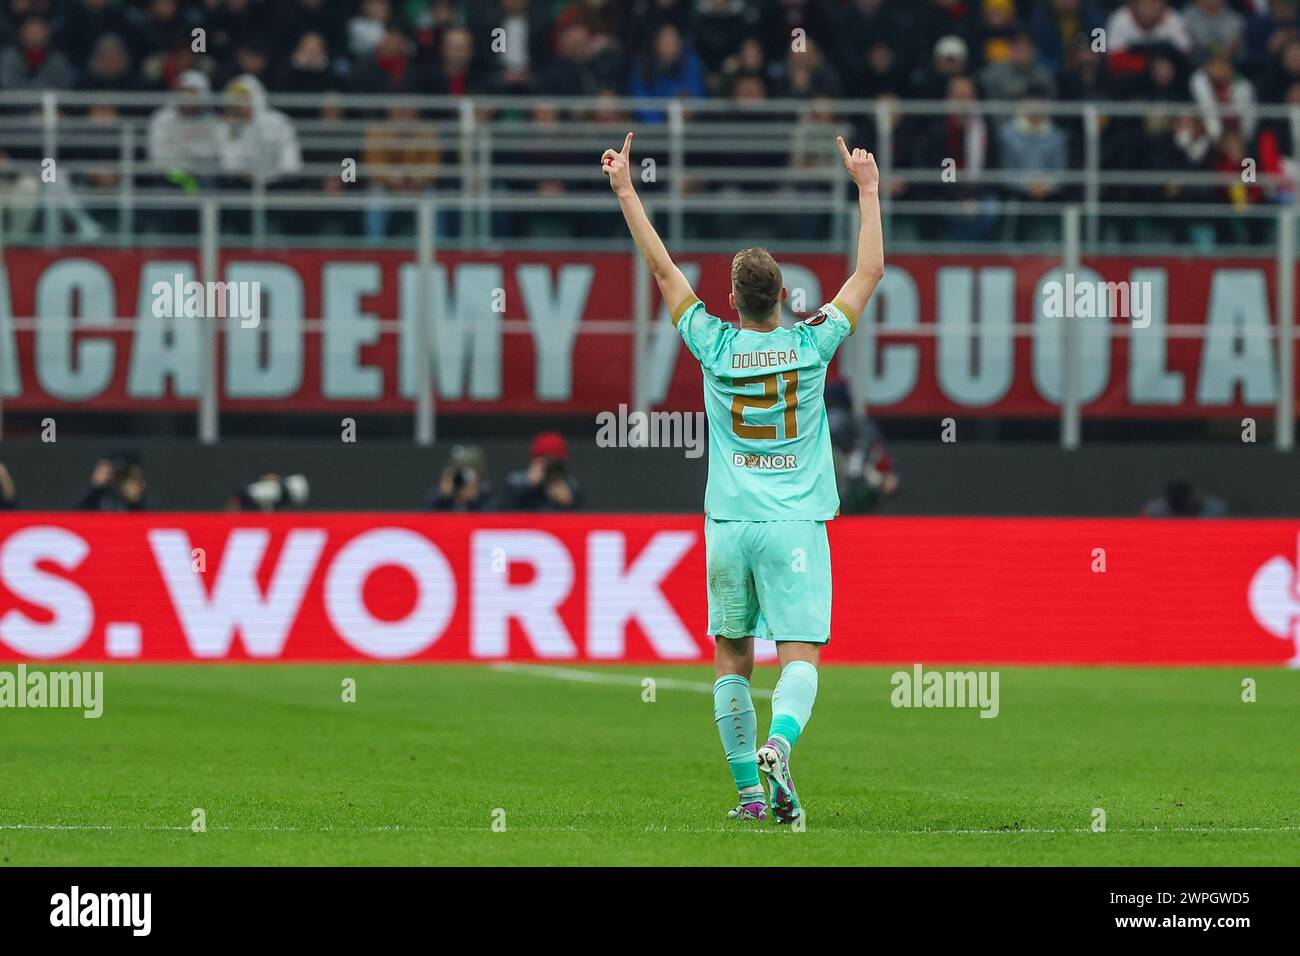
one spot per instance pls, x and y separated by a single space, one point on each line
324 138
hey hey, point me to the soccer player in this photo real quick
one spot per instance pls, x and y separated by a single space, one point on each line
771 483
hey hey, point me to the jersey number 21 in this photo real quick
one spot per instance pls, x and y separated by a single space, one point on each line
772 393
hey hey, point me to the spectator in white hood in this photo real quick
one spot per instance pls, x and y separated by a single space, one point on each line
184 135
257 141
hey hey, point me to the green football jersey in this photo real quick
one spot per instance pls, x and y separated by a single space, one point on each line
769 444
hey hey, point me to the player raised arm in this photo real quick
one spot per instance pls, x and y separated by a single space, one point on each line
672 284
861 165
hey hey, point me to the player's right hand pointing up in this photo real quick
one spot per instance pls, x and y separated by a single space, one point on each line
860 164
618 166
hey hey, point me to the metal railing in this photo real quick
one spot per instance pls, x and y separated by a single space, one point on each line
507 161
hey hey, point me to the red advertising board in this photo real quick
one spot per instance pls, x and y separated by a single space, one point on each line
602 588
551 333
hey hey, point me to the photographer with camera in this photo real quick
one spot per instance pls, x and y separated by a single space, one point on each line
116 484
463 485
270 492
8 490
546 484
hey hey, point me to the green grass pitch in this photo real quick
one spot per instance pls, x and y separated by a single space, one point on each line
417 769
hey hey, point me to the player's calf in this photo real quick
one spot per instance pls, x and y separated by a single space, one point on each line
733 713
792 705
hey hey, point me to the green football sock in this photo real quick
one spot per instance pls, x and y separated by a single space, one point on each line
733 712
792 701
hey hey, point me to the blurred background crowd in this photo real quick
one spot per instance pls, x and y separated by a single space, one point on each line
694 48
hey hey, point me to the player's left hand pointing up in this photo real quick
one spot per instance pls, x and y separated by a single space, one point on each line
618 166
860 164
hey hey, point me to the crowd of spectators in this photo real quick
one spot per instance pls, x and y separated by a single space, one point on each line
547 482
692 48
1220 58
864 468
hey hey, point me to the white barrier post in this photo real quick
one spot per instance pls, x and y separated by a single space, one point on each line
640 332
1071 425
424 398
208 400
1284 418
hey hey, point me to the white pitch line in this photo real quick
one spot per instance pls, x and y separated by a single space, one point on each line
85 826
1013 830
1004 831
141 827
625 680
575 829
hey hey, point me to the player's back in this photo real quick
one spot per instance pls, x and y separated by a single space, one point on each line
770 453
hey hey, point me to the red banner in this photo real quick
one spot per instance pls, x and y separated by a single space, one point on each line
551 333
179 587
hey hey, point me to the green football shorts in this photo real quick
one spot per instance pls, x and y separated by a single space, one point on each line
769 579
